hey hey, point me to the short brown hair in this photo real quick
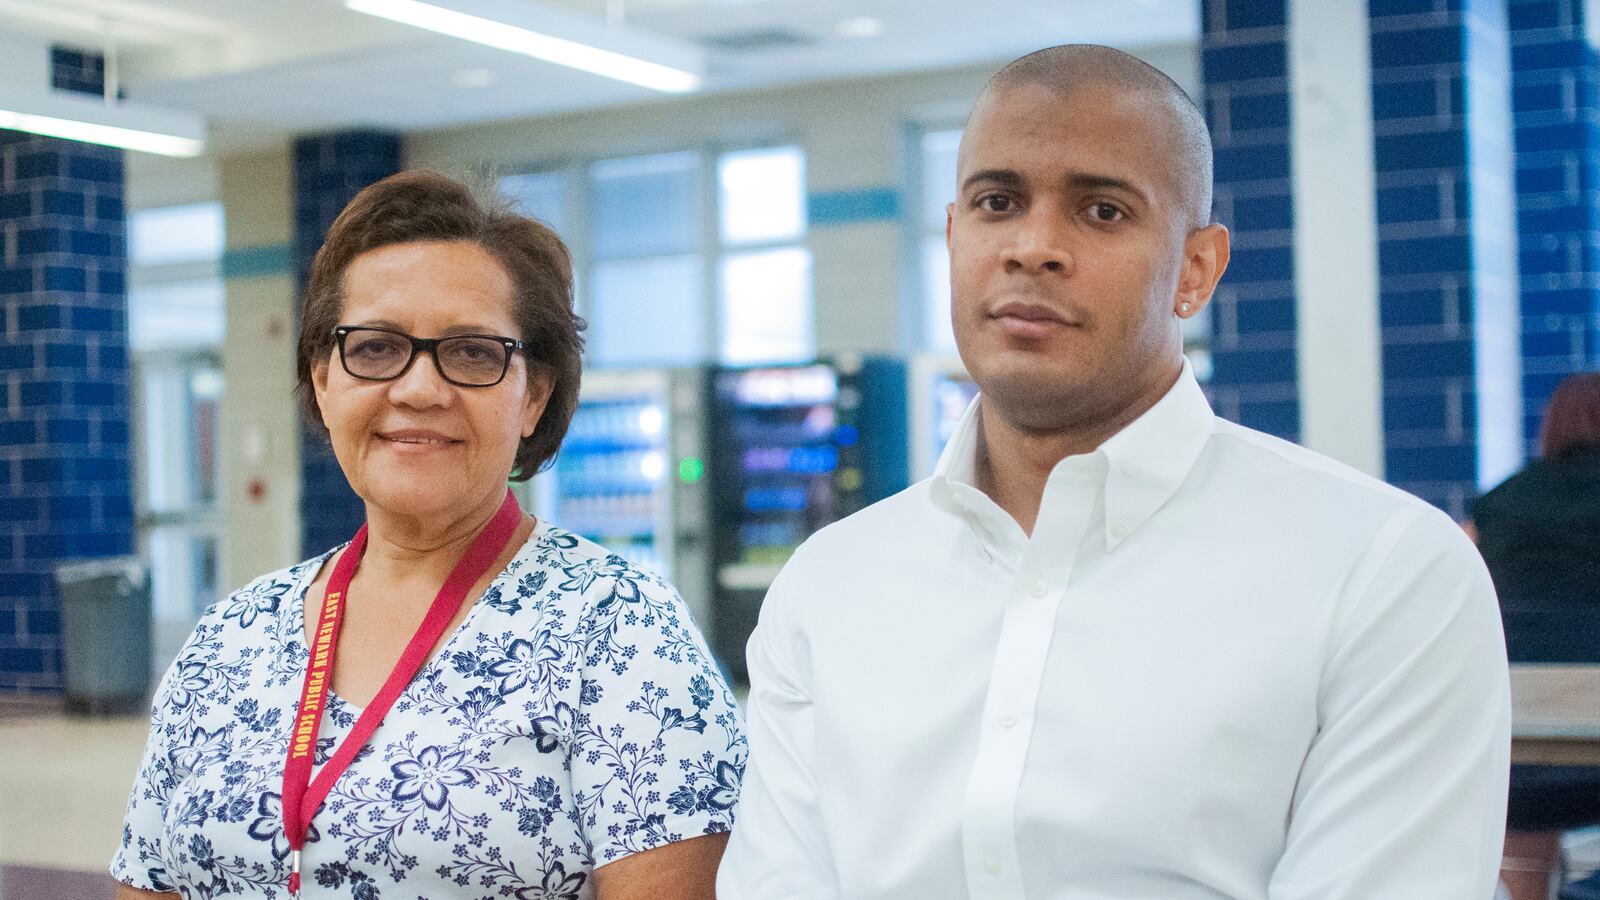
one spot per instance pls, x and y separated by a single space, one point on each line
426 206
1572 420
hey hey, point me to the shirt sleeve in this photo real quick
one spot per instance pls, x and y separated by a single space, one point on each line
139 860
779 851
1403 793
658 749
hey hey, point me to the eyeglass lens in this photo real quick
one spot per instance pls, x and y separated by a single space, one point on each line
467 360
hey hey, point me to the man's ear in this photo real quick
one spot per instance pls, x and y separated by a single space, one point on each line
1205 258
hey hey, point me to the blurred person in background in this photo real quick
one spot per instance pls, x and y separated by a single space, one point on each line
1117 647
553 728
1539 532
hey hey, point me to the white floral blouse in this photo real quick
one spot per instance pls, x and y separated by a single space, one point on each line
575 717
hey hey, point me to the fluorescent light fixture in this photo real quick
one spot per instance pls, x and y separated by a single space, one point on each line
859 27
130 126
554 35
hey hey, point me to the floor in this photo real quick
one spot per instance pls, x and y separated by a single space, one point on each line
61 797
65 780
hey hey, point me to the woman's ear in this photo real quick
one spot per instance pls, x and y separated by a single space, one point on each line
540 386
319 383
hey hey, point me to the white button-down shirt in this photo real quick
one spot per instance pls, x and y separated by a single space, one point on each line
1221 667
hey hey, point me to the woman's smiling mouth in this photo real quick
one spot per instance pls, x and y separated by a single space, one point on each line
417 438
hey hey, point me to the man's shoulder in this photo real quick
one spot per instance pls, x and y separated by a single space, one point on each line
1305 481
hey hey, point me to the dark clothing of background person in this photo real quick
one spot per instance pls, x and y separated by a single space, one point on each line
1539 532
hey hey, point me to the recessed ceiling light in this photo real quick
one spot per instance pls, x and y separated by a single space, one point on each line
472 78
859 27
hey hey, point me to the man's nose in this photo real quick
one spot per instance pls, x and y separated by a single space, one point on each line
1040 244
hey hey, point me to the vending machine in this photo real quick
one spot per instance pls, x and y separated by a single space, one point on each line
940 391
631 476
793 449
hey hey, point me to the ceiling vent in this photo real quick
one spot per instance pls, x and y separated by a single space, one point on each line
757 39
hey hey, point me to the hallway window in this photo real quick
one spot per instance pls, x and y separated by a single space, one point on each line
175 330
764 302
936 187
686 257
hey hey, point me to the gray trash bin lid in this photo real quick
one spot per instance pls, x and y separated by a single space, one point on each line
78 571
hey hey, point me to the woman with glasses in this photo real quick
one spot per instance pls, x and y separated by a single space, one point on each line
464 701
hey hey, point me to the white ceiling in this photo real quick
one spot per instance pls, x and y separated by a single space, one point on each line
262 69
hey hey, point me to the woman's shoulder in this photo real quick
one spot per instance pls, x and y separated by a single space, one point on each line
264 595
1542 483
604 595
559 565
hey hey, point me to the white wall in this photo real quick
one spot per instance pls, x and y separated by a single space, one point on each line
260 423
1335 234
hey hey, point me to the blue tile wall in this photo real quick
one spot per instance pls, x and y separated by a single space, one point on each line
329 170
65 471
1439 241
1244 54
1556 110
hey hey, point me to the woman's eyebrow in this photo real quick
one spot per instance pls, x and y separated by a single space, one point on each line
468 328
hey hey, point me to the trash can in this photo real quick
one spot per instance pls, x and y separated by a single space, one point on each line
105 634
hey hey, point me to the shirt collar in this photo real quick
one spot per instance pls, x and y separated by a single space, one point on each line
1146 462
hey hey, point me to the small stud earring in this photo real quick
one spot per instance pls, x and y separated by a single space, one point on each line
1184 307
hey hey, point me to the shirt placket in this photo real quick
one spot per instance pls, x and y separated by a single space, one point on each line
1031 599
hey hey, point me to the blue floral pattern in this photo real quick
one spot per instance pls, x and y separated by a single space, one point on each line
574 718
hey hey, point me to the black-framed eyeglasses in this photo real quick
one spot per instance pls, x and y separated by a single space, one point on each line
384 354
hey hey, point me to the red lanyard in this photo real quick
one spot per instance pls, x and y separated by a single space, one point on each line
300 803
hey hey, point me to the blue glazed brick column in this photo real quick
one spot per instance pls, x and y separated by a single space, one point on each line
1447 266
65 475
1245 58
329 170
1556 105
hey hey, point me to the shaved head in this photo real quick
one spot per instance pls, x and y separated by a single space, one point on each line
1072 67
1079 239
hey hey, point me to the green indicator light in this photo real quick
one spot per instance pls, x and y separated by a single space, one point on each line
691 470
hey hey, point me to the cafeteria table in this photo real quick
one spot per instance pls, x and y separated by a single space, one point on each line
1555 715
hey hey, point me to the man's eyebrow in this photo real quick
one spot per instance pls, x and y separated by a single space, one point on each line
1002 177
1080 181
1090 181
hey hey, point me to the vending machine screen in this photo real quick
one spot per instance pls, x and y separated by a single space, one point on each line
609 473
780 441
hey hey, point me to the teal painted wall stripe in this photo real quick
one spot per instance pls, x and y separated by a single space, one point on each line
852 207
258 262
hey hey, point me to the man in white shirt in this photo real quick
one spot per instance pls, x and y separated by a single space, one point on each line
1117 648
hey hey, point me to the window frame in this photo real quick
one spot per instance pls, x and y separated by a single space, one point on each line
199 518
915 300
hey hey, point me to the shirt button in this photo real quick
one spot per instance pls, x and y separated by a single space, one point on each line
1119 532
991 864
1008 719
1038 588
